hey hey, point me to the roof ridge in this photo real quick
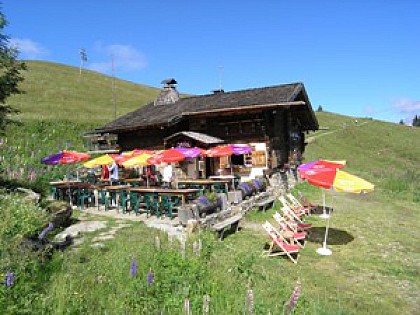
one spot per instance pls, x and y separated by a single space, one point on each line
241 91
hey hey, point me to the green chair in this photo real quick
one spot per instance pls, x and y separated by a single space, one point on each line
152 203
83 196
219 188
103 198
168 204
135 202
123 200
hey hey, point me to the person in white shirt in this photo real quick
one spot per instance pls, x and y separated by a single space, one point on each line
167 175
113 172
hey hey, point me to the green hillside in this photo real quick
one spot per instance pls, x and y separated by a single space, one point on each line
384 153
56 91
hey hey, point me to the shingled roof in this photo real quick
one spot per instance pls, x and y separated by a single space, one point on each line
151 115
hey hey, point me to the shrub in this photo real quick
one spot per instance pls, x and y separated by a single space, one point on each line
39 186
19 219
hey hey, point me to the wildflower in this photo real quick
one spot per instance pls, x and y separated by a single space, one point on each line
195 248
250 301
206 304
183 247
150 277
200 246
293 298
133 268
44 232
187 306
9 279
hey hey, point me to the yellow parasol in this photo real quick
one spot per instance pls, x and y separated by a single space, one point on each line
346 182
139 160
100 160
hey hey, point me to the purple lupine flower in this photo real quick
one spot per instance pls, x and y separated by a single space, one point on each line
293 298
133 268
44 232
9 279
150 277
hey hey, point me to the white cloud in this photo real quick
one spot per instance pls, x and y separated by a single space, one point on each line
405 105
126 58
28 48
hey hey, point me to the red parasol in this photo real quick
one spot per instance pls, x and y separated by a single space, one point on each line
166 156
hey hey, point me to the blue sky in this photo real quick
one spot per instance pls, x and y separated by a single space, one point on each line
357 58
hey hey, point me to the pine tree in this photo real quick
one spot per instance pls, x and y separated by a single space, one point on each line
416 121
10 75
319 108
402 122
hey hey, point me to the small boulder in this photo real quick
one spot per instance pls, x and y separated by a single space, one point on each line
29 195
60 213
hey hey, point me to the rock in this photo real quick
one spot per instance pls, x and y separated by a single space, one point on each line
86 226
78 241
103 237
29 195
60 213
98 245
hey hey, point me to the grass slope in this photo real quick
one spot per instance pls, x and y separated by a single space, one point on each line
55 91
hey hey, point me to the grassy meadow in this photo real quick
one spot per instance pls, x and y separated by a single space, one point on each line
374 268
58 92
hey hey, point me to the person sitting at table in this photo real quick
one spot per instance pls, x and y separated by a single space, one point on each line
113 173
149 175
167 176
104 172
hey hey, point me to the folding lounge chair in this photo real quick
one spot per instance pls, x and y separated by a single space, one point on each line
278 245
285 226
297 205
292 217
286 205
305 202
298 212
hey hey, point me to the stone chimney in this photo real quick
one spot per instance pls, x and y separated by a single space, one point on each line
169 94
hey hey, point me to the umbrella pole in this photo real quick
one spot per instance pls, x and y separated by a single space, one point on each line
324 214
324 251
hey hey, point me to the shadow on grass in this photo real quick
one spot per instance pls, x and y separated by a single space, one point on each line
228 232
335 236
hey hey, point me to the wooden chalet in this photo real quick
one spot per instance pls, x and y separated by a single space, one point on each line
273 119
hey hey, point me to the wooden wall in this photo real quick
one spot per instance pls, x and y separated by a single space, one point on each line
278 128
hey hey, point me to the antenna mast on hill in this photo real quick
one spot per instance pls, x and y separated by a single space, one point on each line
83 59
114 102
220 77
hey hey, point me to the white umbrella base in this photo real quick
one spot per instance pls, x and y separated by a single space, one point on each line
324 251
324 216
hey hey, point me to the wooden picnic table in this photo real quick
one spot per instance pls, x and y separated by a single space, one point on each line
64 188
231 179
116 187
204 182
182 193
133 180
218 177
66 182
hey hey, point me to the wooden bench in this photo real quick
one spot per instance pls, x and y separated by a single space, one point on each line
230 223
264 203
